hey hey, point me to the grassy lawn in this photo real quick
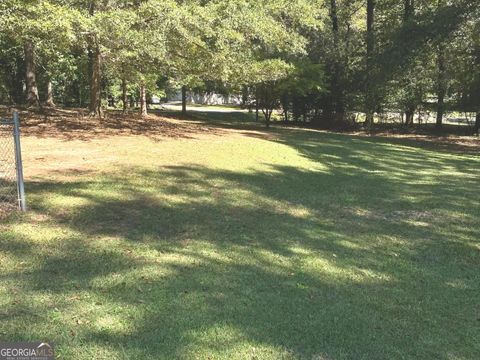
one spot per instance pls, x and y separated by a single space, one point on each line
195 241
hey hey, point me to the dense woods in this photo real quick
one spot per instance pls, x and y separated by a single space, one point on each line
328 63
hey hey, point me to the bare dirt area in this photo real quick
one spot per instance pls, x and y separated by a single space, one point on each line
57 142
76 124
65 142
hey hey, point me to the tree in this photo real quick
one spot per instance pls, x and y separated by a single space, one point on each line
441 84
319 61
334 105
412 97
268 75
30 74
369 94
38 27
184 99
475 86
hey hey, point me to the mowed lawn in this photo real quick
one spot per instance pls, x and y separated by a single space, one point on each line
232 242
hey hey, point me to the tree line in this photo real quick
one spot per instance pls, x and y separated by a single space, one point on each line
327 63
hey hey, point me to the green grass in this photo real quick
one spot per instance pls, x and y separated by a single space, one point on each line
290 244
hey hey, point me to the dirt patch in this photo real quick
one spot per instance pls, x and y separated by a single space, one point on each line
60 143
76 124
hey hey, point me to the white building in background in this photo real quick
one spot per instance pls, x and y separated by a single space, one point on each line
206 98
155 100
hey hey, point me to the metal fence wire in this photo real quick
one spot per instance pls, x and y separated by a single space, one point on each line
11 173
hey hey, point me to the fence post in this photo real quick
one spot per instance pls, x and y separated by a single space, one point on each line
18 162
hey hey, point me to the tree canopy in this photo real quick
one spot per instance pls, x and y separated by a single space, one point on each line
322 62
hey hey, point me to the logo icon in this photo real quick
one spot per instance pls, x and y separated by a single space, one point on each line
26 351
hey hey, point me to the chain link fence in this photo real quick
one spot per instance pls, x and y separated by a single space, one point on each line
12 194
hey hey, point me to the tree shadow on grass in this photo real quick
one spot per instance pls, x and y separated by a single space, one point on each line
449 141
362 259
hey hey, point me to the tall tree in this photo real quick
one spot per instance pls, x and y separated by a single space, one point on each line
409 13
369 91
30 74
475 87
184 99
143 99
441 78
40 28
335 86
441 84
50 102
124 95
95 67
95 106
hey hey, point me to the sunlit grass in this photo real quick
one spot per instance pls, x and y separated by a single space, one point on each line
288 244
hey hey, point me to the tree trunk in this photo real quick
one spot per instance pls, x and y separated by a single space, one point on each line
268 114
184 100
95 85
409 117
409 11
285 106
441 86
111 100
337 91
476 92
50 102
244 96
124 96
257 105
143 100
94 66
17 80
30 75
369 93
476 128
267 104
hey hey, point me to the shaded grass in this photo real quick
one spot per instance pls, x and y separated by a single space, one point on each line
293 244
